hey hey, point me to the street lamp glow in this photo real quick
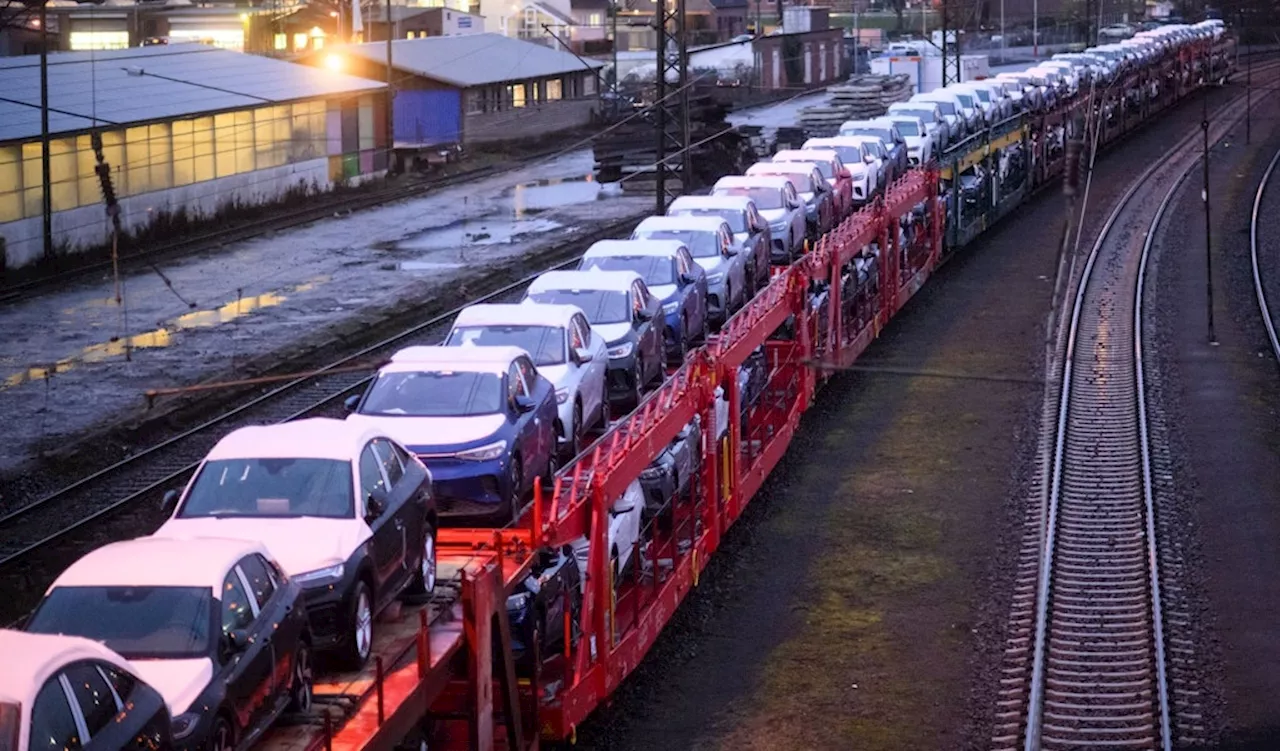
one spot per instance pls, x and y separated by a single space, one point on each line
244 16
333 63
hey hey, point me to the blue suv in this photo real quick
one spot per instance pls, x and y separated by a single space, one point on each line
481 418
672 276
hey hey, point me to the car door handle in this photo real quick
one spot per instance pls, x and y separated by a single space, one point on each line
399 524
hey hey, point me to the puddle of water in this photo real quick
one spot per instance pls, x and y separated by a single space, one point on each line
540 195
426 266
161 337
488 230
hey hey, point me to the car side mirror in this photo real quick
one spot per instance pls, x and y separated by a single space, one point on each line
170 501
234 642
351 402
869 158
730 251
846 174
582 355
525 404
643 315
375 504
687 278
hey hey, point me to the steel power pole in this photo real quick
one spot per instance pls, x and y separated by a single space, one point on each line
45 169
672 111
391 112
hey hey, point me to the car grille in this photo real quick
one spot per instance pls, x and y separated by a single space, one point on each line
457 506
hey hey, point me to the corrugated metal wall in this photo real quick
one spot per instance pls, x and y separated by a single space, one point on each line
428 117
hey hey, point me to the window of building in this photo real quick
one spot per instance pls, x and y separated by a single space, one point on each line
366 123
160 165
88 188
224 143
299 42
589 85
32 179
205 148
137 156
555 90
10 183
515 94
99 40
281 133
281 42
63 182
475 101
594 20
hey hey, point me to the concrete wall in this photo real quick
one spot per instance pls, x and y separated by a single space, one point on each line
87 226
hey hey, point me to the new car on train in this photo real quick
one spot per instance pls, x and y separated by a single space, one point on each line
482 419
750 230
345 510
710 242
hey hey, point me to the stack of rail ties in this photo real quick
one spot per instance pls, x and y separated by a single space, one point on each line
630 151
862 97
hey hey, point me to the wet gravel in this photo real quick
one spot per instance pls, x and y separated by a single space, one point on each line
1222 403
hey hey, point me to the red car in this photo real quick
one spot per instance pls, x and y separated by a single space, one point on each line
833 171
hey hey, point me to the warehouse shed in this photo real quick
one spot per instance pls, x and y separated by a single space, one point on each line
475 88
185 129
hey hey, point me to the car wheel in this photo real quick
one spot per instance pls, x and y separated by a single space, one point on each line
606 414
686 338
517 481
424 579
575 437
359 644
549 474
221 737
637 384
300 692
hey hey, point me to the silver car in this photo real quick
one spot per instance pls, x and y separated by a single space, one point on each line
710 242
750 230
779 204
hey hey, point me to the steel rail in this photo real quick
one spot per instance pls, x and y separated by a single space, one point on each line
1104 441
1261 294
13 548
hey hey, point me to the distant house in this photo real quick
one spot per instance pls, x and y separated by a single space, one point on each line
408 22
475 88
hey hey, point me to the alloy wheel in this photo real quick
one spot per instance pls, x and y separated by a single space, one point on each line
429 563
364 625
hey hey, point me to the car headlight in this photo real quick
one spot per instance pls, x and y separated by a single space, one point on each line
651 473
320 576
670 307
562 396
184 724
620 351
715 278
484 453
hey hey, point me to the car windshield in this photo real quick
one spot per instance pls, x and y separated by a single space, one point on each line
924 114
440 393
948 108
701 244
983 94
824 169
965 99
765 198
654 270
803 181
600 306
141 623
735 218
544 343
271 488
907 127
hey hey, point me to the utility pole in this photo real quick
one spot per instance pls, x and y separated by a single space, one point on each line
45 168
1204 195
673 57
390 105
614 22
1248 88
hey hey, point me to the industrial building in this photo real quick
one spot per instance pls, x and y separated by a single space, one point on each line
476 88
187 130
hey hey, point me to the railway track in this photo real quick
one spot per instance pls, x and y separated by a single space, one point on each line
1259 285
1089 663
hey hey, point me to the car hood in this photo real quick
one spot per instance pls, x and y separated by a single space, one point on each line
612 332
773 216
298 544
422 433
914 141
664 292
740 238
554 373
711 263
178 681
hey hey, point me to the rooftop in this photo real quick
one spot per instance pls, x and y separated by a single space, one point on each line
690 223
516 314
591 279
626 248
465 359
145 84
29 659
471 59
